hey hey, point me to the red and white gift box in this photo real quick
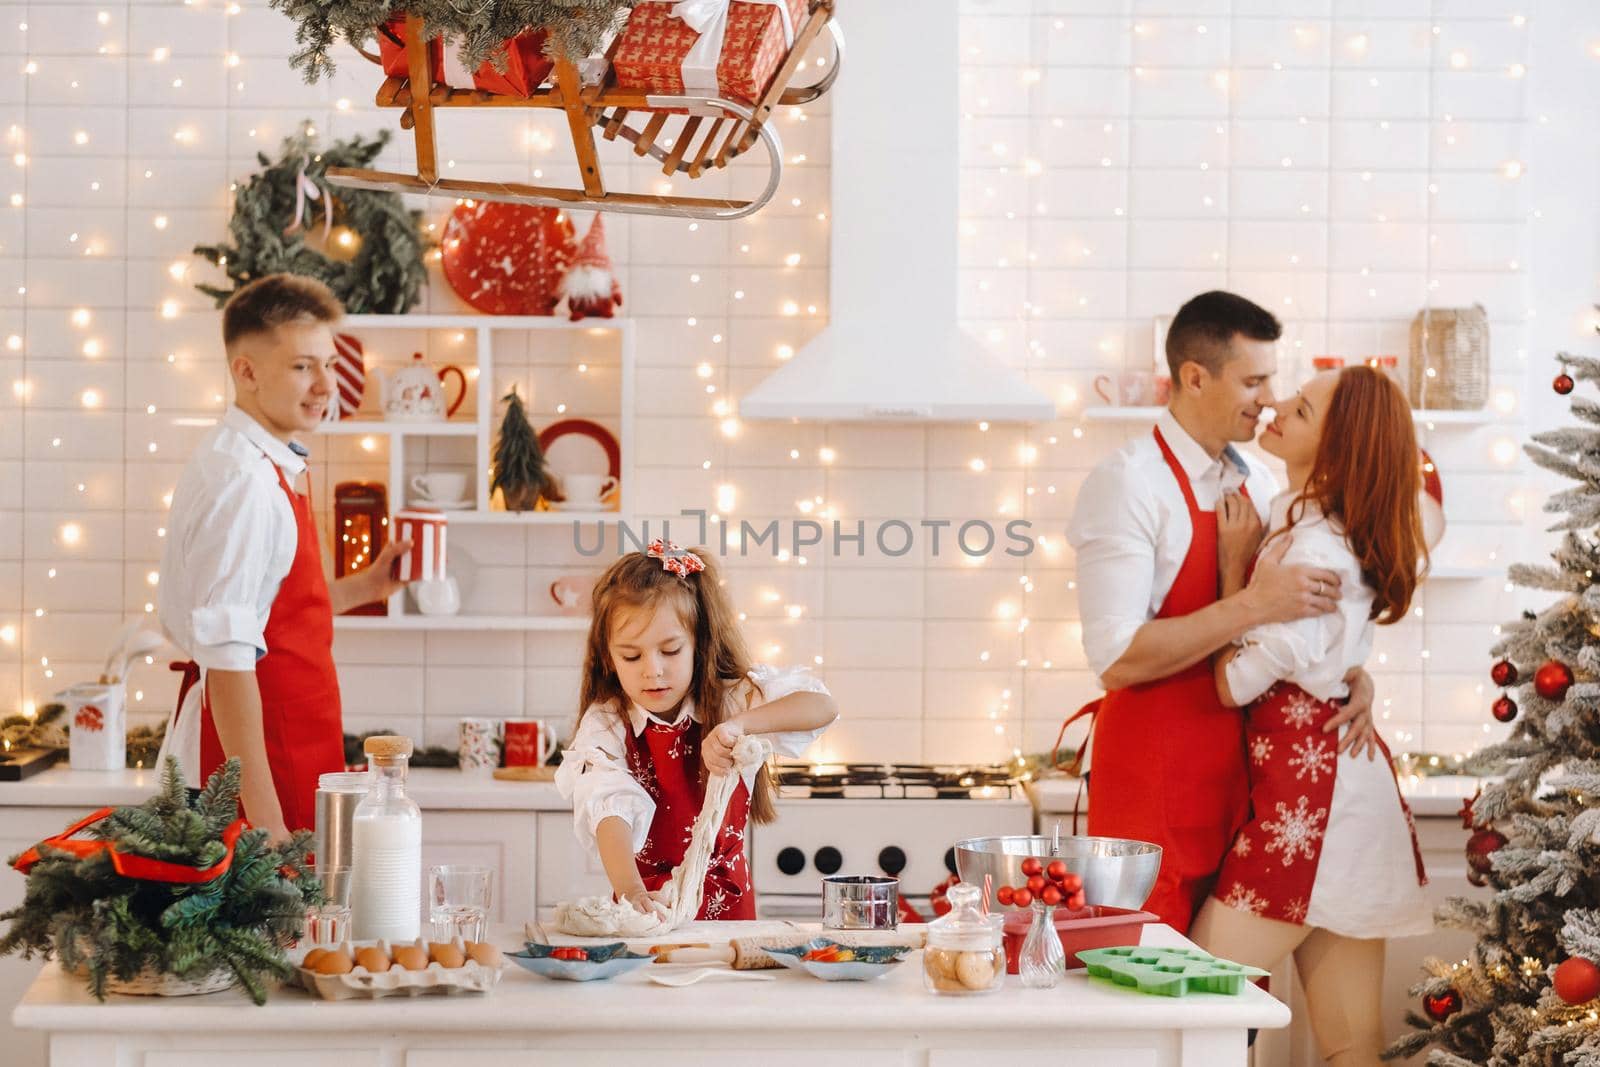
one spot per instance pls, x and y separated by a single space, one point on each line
526 64
729 48
425 529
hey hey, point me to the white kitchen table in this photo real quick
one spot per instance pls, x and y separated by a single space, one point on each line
794 1021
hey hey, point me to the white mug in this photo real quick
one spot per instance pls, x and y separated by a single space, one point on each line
586 489
437 596
447 486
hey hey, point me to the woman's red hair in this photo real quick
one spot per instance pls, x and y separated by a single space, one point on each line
1367 475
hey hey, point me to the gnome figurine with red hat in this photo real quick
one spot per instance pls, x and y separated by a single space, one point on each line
590 286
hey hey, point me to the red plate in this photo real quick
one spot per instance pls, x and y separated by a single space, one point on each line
601 435
507 259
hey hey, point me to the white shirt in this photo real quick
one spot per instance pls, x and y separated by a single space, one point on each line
1313 653
594 769
1131 530
231 539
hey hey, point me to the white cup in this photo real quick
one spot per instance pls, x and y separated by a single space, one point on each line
586 490
437 596
447 486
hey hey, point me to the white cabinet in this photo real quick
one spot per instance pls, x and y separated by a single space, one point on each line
503 841
566 871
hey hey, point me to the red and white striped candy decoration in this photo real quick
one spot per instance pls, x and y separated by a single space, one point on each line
350 371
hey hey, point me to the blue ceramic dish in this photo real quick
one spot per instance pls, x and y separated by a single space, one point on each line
865 963
605 961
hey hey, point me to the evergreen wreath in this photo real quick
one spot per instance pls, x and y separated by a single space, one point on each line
577 28
91 917
386 273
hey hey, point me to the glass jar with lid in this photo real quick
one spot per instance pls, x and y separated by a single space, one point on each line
964 955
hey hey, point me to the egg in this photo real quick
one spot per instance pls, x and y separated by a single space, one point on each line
372 959
410 957
336 962
484 953
311 958
445 955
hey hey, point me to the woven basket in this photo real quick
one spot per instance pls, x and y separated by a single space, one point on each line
1452 343
153 983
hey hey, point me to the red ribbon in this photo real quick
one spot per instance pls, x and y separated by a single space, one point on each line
128 864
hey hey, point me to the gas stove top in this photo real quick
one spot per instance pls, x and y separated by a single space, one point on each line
896 781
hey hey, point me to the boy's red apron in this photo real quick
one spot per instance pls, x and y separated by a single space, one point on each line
666 761
300 708
1168 758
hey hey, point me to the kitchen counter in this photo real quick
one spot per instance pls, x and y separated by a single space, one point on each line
1430 797
430 787
792 1021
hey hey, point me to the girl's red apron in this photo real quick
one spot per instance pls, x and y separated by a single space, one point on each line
300 707
1168 758
1274 861
666 761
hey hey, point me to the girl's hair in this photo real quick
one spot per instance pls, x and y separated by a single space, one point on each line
639 582
1367 474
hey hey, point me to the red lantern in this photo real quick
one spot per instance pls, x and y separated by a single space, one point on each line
1440 1006
1563 383
1481 848
1504 673
1576 981
361 528
1504 709
1553 680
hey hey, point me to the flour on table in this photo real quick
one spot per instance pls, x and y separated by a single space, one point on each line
601 916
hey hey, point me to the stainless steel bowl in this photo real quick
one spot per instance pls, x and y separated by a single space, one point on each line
860 902
1116 871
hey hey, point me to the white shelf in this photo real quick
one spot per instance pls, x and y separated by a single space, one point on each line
527 518
544 623
359 427
1150 414
481 322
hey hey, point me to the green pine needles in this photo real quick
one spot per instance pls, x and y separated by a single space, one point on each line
519 467
110 926
386 273
577 28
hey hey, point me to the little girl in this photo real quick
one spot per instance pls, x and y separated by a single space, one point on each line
668 689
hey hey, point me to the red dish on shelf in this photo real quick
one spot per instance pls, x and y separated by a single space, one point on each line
1097 926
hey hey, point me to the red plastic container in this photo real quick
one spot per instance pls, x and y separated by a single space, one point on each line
1097 926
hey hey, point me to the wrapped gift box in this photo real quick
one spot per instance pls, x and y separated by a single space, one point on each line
656 52
526 64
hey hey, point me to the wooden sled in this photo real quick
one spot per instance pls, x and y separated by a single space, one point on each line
705 132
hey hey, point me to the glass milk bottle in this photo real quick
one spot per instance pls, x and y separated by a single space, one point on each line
386 838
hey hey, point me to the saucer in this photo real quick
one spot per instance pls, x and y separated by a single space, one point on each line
443 505
578 505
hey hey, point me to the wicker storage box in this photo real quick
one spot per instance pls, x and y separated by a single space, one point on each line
1452 343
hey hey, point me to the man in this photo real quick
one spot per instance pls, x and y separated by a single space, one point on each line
1168 758
242 585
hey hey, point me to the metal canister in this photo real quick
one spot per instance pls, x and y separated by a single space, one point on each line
337 797
860 902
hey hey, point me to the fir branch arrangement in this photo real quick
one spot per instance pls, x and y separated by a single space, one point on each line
47 729
519 468
386 273
577 28
113 927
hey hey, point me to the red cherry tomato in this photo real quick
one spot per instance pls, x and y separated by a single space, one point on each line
1051 895
1071 884
1004 895
1032 867
1057 870
1022 898
1036 884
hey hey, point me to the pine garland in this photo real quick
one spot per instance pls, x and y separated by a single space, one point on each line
47 729
386 274
111 926
577 28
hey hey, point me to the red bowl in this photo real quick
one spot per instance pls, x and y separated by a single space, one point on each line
1096 926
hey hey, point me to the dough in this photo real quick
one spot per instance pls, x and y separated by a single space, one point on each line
602 916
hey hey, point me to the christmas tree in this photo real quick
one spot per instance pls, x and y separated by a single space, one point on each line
519 471
1526 996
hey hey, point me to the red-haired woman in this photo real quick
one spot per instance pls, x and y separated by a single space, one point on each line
1328 865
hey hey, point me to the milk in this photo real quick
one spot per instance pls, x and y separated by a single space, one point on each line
386 880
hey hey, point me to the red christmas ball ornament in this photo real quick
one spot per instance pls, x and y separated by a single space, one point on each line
1051 895
1553 680
1036 884
1057 870
1004 894
1023 898
1481 847
1076 901
1576 981
1440 1006
1504 709
1563 383
1032 867
1504 673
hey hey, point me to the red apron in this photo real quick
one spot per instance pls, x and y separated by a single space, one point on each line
1168 758
666 761
300 708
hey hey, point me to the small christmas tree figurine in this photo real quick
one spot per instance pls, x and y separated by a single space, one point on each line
590 285
519 470
1526 995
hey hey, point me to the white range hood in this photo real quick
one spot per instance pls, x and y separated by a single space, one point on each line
892 350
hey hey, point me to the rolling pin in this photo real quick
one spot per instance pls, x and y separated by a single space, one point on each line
749 953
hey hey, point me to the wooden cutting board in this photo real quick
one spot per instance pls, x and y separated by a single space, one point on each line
525 774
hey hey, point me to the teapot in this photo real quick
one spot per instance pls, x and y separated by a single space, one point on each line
416 392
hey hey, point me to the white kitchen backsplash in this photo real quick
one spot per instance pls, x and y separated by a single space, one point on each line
1341 162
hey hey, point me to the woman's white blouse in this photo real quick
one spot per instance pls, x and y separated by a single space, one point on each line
594 769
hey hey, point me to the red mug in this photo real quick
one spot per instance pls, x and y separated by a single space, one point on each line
425 529
528 743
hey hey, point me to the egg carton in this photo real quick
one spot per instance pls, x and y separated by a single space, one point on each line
362 984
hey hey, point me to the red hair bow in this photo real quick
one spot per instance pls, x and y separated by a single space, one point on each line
677 560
